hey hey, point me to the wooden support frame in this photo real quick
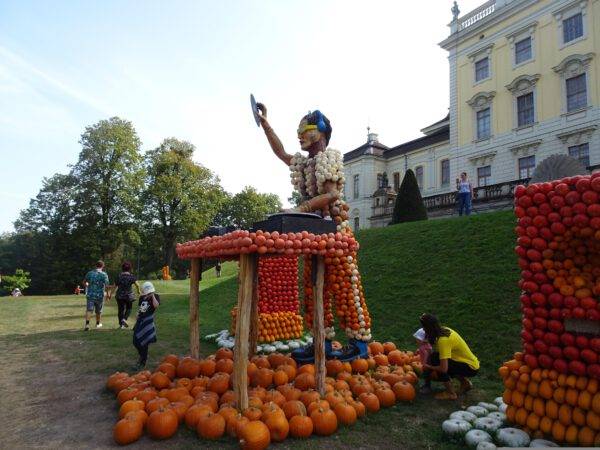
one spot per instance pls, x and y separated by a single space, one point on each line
318 267
246 297
195 275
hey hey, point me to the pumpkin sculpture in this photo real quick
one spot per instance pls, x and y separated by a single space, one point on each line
551 387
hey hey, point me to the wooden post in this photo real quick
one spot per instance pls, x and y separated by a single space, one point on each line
248 267
195 273
254 316
319 323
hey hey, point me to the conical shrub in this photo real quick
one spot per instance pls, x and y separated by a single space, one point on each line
409 205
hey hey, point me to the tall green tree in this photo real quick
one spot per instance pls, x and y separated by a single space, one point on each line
181 196
247 207
409 205
109 180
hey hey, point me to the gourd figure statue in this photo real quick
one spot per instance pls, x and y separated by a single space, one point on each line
319 179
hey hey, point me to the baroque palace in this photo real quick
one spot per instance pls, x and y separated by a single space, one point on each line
524 84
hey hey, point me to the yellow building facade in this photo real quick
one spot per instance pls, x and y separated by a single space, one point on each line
524 84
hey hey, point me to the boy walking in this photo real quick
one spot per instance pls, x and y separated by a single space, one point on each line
96 281
144 331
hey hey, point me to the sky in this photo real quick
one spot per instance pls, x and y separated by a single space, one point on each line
185 69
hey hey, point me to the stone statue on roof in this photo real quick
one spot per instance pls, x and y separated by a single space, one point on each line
455 12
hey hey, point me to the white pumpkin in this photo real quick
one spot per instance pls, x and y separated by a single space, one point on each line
478 411
489 406
498 416
463 415
455 428
487 424
294 345
512 437
502 408
284 348
542 443
486 446
498 401
474 437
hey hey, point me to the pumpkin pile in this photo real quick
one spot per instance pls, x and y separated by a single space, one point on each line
283 401
278 304
230 245
551 388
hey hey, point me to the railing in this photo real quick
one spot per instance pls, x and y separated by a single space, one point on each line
476 15
484 194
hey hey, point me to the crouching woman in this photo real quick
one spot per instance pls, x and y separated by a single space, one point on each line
451 358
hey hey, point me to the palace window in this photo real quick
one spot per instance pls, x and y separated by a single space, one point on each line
484 176
355 187
396 181
445 172
523 50
356 223
379 180
482 69
576 92
525 111
483 124
419 175
572 28
581 152
526 167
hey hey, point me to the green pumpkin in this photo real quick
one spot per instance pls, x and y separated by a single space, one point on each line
512 437
498 416
478 411
463 415
455 428
542 443
474 437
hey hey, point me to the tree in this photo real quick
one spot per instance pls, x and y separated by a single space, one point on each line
247 207
181 197
409 205
296 199
20 280
109 180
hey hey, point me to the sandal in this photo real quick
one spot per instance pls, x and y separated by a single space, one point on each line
446 396
466 386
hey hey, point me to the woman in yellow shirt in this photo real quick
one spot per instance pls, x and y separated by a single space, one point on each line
451 358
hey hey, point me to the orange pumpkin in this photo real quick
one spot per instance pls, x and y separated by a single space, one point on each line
194 413
404 391
301 426
324 421
345 413
211 426
254 435
162 423
370 401
127 430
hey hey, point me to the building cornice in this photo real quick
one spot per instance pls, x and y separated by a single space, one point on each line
481 98
583 60
497 16
487 49
577 134
526 148
557 13
530 27
482 160
523 82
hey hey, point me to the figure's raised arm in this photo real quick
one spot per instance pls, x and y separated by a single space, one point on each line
274 141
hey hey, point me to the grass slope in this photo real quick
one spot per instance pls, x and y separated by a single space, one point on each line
463 269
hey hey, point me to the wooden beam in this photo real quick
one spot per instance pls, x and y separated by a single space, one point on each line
195 274
254 317
319 323
248 267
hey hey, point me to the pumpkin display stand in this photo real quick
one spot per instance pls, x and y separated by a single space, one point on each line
552 385
281 235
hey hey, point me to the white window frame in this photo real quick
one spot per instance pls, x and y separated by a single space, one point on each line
396 175
578 136
532 168
579 145
479 102
422 167
442 184
566 12
478 55
522 33
572 66
490 176
356 186
522 85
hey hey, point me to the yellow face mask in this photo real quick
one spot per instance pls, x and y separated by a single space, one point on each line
305 127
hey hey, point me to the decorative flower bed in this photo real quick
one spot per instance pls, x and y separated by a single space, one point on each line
282 399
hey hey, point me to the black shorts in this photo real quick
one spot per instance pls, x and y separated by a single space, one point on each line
455 369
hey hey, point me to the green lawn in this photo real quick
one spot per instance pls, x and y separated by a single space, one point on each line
462 269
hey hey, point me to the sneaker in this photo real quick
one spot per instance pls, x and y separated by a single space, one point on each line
140 365
87 327
125 324
121 327
99 325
